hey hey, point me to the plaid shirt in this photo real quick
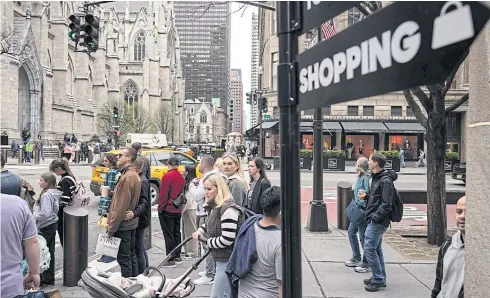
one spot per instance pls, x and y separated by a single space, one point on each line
105 202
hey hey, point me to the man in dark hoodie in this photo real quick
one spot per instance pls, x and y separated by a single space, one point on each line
379 207
255 264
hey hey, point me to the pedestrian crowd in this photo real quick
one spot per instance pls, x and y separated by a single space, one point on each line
238 221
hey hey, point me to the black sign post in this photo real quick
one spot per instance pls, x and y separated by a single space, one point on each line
404 45
287 26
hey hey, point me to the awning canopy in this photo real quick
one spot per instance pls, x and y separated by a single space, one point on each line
268 125
405 127
327 126
366 127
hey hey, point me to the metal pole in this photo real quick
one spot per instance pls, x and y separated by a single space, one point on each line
75 244
261 141
317 216
287 17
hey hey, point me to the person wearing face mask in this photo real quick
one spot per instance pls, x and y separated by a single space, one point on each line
220 230
236 182
451 262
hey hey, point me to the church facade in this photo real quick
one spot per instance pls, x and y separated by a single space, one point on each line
49 89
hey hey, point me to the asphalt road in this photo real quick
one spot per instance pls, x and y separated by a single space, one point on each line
83 173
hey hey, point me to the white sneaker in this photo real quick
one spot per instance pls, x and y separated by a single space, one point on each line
364 268
202 273
203 280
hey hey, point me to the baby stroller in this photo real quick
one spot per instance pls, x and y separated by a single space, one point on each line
101 284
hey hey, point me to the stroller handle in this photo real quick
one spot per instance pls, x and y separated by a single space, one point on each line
164 278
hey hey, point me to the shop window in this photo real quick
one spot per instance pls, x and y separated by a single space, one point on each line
367 142
352 111
396 111
410 112
327 111
368 110
408 143
307 141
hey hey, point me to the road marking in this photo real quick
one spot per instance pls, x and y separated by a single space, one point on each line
414 214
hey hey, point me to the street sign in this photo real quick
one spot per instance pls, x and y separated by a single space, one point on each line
315 13
267 116
404 45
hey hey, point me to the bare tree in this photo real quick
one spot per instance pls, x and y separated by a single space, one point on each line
164 120
434 123
132 119
199 11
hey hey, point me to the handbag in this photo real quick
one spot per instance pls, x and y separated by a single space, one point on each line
354 213
180 201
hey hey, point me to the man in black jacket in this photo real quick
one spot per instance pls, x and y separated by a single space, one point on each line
378 210
143 212
451 261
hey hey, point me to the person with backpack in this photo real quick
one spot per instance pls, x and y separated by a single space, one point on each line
67 186
379 208
169 215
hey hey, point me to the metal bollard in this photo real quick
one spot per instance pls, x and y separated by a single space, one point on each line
21 155
77 156
75 245
90 157
37 156
344 196
147 237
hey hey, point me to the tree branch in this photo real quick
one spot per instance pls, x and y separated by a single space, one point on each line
457 104
450 78
415 108
424 99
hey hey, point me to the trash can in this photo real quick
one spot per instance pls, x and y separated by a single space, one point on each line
75 244
344 196
77 156
37 155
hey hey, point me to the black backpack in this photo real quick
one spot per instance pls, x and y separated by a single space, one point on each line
397 208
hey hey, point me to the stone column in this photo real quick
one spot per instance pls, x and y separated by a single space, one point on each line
478 159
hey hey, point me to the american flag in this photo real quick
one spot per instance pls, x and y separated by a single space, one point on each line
328 29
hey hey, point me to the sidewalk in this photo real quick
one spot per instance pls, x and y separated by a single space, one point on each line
14 163
323 270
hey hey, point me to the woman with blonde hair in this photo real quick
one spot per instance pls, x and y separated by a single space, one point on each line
218 164
220 229
355 213
232 168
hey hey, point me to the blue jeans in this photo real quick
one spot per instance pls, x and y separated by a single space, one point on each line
354 242
373 251
139 246
221 286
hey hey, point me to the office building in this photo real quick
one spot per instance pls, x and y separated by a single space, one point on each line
236 114
254 70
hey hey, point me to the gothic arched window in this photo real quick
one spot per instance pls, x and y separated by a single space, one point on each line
131 93
139 46
203 118
207 129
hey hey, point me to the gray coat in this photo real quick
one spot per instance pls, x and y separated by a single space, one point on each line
48 210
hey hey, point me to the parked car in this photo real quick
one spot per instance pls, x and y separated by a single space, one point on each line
459 172
158 159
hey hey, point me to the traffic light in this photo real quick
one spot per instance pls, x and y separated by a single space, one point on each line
249 98
115 113
74 26
91 28
263 103
254 99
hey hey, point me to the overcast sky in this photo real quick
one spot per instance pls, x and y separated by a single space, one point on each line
241 43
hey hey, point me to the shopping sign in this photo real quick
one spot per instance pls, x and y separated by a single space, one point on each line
404 45
315 13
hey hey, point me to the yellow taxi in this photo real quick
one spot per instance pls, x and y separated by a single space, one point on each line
158 160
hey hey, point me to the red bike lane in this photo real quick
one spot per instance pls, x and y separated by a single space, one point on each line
413 214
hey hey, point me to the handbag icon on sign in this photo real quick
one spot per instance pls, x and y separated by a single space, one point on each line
454 26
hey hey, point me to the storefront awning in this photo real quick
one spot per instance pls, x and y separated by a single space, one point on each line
407 127
365 127
327 126
268 125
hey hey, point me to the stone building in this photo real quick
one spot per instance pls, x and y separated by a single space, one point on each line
205 123
380 122
57 90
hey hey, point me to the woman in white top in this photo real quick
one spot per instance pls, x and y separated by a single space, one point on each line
189 216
